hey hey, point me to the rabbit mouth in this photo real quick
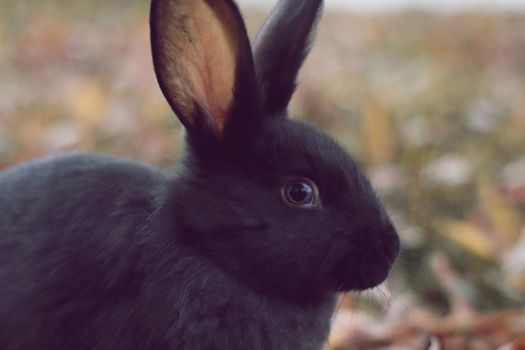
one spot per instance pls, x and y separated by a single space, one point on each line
361 274
371 279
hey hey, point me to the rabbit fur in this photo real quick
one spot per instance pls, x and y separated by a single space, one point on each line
98 252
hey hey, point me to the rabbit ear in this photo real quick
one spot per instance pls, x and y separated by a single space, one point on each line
203 61
280 48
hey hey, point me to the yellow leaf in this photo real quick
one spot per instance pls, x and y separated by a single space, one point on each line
379 138
516 280
87 102
503 217
468 236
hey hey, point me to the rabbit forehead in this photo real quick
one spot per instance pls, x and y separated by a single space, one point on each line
294 146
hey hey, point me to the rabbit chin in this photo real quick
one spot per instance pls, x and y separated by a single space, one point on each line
361 278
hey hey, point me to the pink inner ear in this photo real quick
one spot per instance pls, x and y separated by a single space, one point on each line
198 48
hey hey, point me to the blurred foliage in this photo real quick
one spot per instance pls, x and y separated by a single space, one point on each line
432 105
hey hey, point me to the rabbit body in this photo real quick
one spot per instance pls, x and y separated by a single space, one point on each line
243 245
73 283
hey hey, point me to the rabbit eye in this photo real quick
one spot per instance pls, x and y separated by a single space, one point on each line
300 193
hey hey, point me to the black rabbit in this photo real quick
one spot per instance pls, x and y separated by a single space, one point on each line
243 246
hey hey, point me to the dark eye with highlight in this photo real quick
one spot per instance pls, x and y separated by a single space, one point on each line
300 192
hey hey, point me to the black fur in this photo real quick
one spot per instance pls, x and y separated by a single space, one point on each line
103 253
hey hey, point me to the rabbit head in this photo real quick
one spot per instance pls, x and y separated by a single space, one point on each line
273 201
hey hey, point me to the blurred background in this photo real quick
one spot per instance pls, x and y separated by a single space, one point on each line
428 95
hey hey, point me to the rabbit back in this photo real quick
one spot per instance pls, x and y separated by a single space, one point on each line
71 188
67 221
